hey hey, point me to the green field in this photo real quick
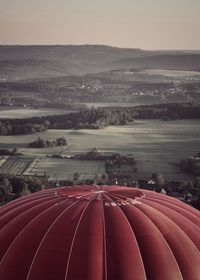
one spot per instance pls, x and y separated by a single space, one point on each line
54 168
20 113
172 73
155 144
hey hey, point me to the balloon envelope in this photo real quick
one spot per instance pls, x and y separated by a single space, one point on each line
99 233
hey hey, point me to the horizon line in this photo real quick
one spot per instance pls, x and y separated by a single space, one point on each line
97 45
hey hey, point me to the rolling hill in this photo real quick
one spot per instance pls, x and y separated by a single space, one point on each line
30 62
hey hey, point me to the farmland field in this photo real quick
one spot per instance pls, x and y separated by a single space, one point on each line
172 73
155 144
64 169
14 165
54 168
19 113
112 104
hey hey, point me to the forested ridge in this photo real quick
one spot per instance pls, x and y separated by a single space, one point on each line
98 118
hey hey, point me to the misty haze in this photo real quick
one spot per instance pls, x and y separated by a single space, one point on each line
103 101
99 140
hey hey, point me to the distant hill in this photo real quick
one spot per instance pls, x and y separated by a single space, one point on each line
25 62
162 61
75 53
18 69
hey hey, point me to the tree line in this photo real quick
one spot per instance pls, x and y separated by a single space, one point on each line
95 118
12 186
191 164
42 143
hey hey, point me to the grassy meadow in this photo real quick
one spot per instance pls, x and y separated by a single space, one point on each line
157 145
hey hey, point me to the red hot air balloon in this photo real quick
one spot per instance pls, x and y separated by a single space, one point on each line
99 233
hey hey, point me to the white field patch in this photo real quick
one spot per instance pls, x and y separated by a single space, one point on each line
20 113
65 169
111 104
171 73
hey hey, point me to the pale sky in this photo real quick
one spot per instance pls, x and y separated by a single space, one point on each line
146 24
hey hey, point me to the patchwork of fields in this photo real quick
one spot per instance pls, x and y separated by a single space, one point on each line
14 165
54 168
158 146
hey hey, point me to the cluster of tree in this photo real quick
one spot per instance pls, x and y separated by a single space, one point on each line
12 187
117 159
101 117
113 159
189 191
42 143
6 152
168 111
17 128
191 165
